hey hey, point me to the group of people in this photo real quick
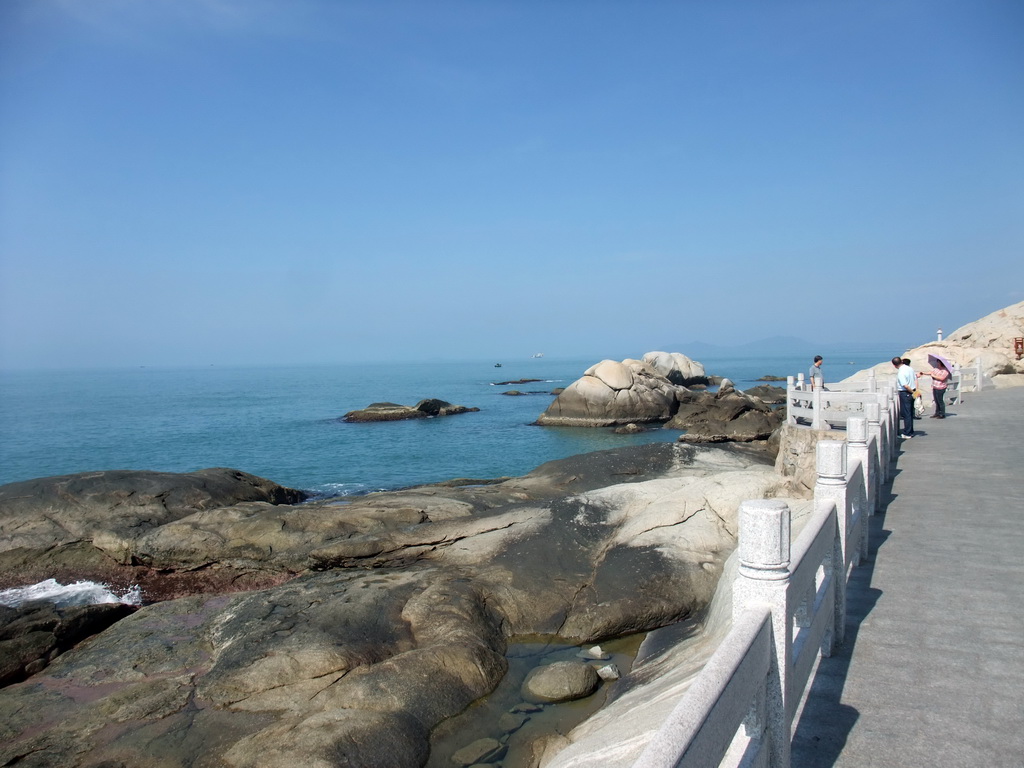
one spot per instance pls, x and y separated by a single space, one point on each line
906 384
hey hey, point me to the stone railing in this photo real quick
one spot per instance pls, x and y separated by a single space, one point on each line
789 606
832 407
970 379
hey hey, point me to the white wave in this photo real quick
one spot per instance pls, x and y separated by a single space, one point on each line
63 595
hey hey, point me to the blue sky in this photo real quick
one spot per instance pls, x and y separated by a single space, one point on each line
289 181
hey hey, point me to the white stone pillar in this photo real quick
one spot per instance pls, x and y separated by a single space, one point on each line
816 421
831 487
790 388
857 450
763 578
872 381
892 409
881 463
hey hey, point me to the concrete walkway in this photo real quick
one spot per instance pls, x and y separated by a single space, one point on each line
932 670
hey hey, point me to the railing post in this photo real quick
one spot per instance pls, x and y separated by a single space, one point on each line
892 409
872 381
979 384
800 382
831 487
816 422
857 450
790 416
763 578
881 463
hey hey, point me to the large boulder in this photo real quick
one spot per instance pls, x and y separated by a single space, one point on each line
726 415
677 368
561 681
612 393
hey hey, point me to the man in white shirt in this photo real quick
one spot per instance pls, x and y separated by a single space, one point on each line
906 383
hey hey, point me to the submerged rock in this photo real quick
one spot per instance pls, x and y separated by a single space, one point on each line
561 681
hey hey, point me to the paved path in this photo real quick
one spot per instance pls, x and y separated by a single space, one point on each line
932 670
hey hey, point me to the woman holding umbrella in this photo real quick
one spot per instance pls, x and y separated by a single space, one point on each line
940 373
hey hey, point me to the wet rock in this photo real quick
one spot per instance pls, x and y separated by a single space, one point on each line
561 681
510 722
609 672
724 415
34 634
594 652
527 706
479 750
629 429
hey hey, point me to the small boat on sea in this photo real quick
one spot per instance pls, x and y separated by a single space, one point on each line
497 365
539 354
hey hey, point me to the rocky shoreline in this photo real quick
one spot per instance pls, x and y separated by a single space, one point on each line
303 627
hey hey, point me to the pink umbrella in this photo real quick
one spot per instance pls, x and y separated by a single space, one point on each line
934 360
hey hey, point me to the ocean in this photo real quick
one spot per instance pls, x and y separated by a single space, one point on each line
282 422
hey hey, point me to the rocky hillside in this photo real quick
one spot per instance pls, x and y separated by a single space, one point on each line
990 339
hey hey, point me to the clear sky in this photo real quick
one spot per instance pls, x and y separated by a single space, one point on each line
290 181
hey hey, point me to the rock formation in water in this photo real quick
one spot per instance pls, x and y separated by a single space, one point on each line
677 368
726 415
394 412
610 394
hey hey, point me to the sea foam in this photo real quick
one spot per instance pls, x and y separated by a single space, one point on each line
64 595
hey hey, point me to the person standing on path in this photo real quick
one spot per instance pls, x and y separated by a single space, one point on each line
940 380
815 376
906 383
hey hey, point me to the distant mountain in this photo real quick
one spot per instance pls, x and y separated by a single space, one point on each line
771 345
780 345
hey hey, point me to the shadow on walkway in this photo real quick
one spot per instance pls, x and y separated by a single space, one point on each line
826 722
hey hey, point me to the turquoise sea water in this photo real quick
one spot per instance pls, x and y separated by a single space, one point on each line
282 423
